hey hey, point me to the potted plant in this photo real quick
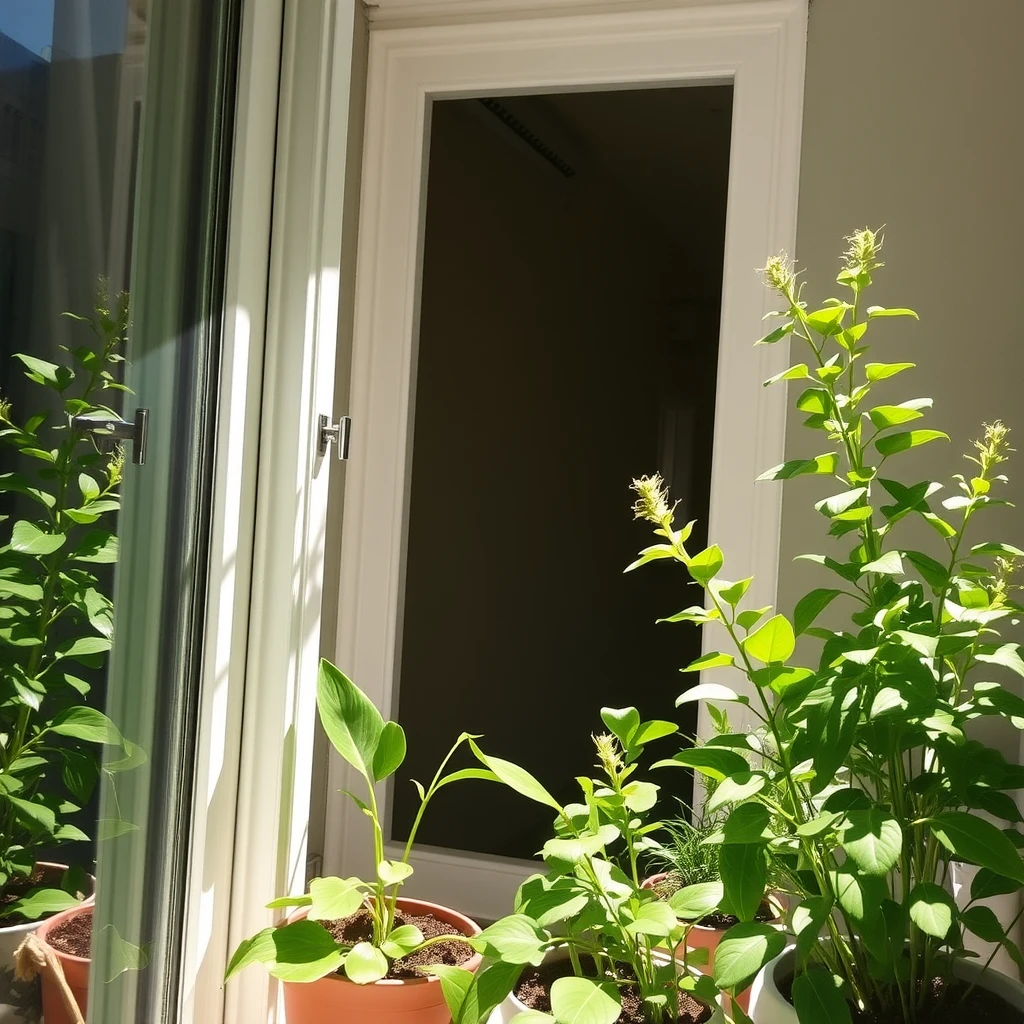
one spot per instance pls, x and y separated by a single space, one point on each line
688 855
356 949
873 784
582 944
56 623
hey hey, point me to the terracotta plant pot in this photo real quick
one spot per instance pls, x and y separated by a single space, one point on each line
20 1002
702 937
507 1011
76 971
769 1006
415 1001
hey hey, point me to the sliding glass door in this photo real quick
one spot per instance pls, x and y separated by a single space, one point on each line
116 121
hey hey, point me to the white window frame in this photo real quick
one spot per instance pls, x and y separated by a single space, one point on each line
759 47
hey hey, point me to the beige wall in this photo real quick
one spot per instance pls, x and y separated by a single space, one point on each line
913 119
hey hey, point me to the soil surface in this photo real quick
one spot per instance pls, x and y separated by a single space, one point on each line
947 1006
74 935
41 877
535 982
359 928
673 882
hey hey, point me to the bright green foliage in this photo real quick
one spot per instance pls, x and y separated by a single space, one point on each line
305 950
871 784
56 615
591 898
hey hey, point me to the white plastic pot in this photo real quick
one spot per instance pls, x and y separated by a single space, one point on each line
511 1006
769 1006
19 1000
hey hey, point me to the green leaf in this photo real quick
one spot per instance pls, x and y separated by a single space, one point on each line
640 797
1007 655
773 642
516 778
818 997
932 909
42 902
33 813
390 752
654 918
84 647
779 678
516 939
984 923
28 539
708 691
876 311
736 788
1006 550
113 828
693 902
987 883
777 335
713 659
334 898
352 723
304 900
745 824
622 722
973 839
827 321
43 372
97 546
455 986
715 762
703 567
733 593
744 871
79 772
873 841
574 849
810 606
745 948
582 1001
890 564
89 488
365 964
903 441
303 951
798 372
84 723
749 617
257 949
391 872
809 917
821 465
885 416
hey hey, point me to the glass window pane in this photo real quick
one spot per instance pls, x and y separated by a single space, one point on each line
115 130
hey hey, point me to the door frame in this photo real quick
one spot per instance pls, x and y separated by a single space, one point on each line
757 46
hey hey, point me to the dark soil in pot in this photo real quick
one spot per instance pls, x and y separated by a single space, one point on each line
44 876
534 984
673 882
73 936
359 928
947 1006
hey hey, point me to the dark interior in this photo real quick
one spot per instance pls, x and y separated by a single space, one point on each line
567 343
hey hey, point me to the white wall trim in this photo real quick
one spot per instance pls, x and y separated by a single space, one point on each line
212 862
291 510
760 47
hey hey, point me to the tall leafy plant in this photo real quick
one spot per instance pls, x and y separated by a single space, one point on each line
56 615
590 902
871 785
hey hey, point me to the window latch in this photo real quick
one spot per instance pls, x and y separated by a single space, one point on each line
136 431
338 434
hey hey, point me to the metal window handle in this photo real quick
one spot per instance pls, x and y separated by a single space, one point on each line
337 434
136 431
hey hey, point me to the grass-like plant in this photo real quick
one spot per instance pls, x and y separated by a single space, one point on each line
872 785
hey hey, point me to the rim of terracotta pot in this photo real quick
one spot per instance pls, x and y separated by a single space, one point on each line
30 926
467 924
771 898
52 922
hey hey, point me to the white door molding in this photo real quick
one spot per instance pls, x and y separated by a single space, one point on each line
759 47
